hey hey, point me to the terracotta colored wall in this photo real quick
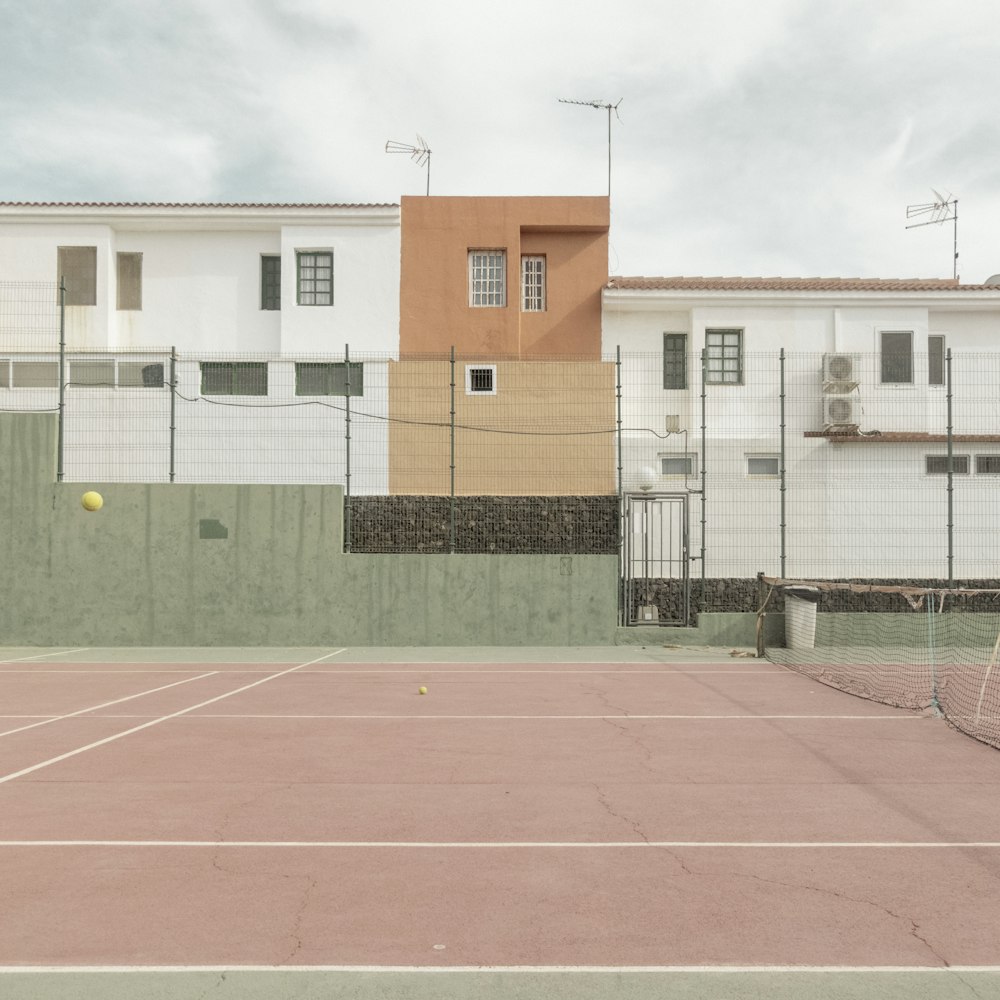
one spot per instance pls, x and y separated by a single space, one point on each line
549 430
437 234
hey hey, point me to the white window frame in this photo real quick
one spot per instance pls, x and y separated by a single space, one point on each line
488 278
692 464
881 359
993 455
944 459
944 362
470 391
763 456
533 275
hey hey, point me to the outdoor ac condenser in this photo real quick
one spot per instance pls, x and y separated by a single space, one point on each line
839 411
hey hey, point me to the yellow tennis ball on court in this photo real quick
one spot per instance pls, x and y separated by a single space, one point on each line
423 690
92 500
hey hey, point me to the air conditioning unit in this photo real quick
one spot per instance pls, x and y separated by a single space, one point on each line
840 373
839 411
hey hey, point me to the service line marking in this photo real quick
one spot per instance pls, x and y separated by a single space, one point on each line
107 704
752 845
624 717
162 718
721 970
38 656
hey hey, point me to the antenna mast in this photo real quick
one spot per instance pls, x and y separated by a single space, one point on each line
943 209
609 108
420 154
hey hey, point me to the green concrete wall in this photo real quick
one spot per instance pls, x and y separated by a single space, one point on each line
185 564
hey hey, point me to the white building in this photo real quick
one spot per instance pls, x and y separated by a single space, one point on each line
808 421
259 302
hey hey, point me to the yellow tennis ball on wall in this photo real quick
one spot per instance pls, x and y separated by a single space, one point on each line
92 500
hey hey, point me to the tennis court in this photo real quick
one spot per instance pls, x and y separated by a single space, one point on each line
544 822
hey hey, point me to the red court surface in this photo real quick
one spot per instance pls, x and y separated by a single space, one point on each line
308 824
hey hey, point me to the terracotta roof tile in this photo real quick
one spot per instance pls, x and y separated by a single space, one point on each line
737 284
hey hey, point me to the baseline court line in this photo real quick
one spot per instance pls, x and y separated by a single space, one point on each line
172 669
38 656
107 704
721 970
530 845
164 718
621 718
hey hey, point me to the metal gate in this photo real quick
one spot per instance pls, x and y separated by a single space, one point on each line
656 568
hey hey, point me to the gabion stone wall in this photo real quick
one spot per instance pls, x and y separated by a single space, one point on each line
558 525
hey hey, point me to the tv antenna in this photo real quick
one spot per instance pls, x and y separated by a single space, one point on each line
420 154
609 108
943 209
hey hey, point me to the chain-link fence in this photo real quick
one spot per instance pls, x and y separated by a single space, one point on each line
822 465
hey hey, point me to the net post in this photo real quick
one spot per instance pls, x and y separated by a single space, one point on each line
173 413
929 604
761 613
61 431
347 449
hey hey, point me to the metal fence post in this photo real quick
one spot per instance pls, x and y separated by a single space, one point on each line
61 432
951 477
782 486
173 412
347 449
451 497
704 478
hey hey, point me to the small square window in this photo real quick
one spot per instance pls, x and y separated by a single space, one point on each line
315 277
937 465
481 380
678 465
764 465
329 378
487 277
533 284
234 378
724 356
270 281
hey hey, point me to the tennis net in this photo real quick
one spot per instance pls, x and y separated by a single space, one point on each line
925 648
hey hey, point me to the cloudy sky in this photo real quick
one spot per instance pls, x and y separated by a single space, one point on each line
760 137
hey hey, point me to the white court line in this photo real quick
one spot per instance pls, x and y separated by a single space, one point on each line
163 718
721 970
153 668
107 704
752 845
38 656
624 717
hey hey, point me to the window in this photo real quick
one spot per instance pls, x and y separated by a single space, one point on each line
140 375
234 378
35 375
897 357
675 361
678 465
315 277
763 465
270 281
937 465
77 267
481 380
328 379
988 465
130 281
487 277
724 356
935 360
92 374
533 284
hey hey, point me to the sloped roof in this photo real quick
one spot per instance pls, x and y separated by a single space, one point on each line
738 284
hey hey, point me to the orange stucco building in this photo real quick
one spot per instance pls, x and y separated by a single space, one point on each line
513 286
445 303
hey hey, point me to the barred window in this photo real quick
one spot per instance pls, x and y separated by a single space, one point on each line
487 277
937 465
315 277
533 284
234 378
481 380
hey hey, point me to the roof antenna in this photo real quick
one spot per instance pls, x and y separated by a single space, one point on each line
943 209
420 154
609 108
